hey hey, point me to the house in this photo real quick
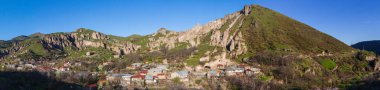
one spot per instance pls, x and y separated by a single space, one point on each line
30 66
155 71
243 66
248 72
137 78
92 87
115 77
44 69
136 65
126 79
239 70
200 74
163 67
220 66
143 72
10 66
212 73
235 70
161 76
183 75
230 71
150 79
63 69
255 70
20 67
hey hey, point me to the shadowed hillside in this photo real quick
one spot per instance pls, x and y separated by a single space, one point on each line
33 81
373 46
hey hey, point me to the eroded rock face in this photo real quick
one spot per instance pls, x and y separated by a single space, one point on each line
59 40
377 65
80 39
8 51
247 9
231 40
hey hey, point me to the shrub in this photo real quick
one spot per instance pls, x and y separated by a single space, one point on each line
328 64
176 80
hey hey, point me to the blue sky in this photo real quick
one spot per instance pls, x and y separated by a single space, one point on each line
350 21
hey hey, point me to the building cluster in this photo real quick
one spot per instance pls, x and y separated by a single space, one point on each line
161 73
139 74
147 76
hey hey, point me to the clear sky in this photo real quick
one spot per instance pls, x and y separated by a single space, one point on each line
350 21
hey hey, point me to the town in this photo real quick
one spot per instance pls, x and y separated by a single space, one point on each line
138 75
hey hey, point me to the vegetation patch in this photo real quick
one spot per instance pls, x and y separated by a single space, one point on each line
327 63
265 78
202 48
99 53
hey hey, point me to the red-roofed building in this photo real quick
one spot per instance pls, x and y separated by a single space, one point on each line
44 69
143 72
92 87
242 66
138 78
220 66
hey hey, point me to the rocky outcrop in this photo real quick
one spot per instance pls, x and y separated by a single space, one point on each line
82 38
59 41
377 64
231 40
247 9
11 50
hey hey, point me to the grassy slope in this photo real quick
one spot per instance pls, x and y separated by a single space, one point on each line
266 29
267 33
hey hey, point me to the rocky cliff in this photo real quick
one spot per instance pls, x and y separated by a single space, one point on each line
78 39
86 38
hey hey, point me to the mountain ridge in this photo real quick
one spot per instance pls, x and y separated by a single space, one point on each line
241 34
372 45
283 48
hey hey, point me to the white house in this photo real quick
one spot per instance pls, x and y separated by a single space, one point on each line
183 75
150 79
126 79
155 71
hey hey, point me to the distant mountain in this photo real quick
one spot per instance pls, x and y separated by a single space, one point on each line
4 44
20 38
373 46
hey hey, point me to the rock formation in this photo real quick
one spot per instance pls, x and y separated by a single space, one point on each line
80 39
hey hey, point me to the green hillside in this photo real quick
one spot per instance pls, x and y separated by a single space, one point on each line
267 29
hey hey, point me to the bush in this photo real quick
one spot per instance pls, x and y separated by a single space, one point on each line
176 80
198 81
328 64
